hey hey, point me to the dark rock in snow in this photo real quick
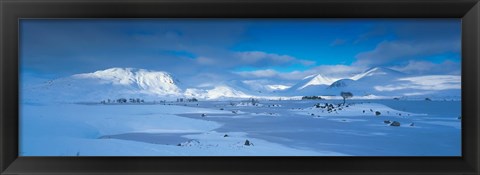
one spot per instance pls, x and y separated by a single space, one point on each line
377 113
395 123
226 135
412 124
203 115
387 121
247 143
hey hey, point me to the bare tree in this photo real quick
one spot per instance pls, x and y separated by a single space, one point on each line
346 95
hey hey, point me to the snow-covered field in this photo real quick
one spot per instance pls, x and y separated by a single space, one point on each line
222 128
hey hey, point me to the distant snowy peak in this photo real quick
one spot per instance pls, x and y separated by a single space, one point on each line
317 79
377 71
155 82
217 92
224 91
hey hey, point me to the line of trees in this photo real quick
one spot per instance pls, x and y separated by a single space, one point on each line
187 100
123 100
312 98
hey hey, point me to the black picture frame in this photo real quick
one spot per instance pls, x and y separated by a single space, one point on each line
13 10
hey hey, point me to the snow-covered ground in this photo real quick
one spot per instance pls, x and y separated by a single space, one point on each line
222 128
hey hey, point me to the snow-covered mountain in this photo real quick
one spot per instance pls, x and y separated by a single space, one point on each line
127 83
106 84
313 80
310 85
148 82
378 72
380 82
363 84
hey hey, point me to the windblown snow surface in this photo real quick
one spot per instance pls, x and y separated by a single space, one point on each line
275 128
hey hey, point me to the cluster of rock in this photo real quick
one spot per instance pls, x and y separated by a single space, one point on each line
330 107
392 123
395 123
192 142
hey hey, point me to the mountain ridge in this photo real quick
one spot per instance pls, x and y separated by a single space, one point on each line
147 84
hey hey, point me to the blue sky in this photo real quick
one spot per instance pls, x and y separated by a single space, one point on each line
280 50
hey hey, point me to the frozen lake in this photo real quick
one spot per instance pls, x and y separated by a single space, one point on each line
427 128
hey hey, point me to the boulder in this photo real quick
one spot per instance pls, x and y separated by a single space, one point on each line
247 143
395 123
377 113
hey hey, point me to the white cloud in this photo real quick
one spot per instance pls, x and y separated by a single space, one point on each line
339 71
271 58
278 87
259 73
430 82
205 61
425 67
390 51
338 42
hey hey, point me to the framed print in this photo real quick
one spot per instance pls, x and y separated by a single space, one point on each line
240 87
235 87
